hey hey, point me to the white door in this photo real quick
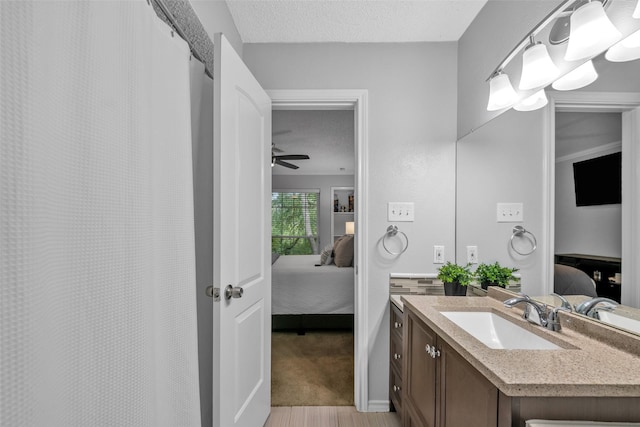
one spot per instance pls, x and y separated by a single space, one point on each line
242 243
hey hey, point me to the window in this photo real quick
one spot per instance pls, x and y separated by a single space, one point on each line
294 222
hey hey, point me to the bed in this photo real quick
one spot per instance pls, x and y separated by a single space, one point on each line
304 293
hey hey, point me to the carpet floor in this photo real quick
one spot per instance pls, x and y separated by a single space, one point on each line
315 369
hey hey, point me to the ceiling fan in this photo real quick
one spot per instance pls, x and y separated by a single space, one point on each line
279 159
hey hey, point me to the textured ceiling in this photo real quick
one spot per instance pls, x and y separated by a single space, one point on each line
352 21
327 137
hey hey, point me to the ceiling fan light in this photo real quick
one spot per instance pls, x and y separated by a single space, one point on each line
591 32
625 50
580 77
501 93
537 67
533 102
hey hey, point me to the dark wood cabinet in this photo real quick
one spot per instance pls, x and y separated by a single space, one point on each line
441 388
396 358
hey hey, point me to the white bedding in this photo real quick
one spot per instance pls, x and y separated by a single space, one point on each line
299 287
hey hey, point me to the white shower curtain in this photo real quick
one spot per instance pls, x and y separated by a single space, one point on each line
97 268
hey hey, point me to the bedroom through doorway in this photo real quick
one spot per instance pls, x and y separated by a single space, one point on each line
313 280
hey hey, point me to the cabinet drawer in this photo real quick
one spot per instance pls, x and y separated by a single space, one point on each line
395 389
396 321
396 352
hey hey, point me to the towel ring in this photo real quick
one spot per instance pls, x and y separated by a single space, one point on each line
392 230
520 231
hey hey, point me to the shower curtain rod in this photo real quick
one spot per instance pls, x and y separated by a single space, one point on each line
174 24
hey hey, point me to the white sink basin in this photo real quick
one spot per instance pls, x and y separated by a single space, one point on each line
497 332
619 321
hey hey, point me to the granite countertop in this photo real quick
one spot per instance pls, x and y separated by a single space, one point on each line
583 367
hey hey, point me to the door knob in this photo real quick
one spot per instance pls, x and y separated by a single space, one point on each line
233 292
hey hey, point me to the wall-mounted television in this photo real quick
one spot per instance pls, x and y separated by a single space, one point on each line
598 181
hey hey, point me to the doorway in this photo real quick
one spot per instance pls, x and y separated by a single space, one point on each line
588 204
628 104
312 289
357 101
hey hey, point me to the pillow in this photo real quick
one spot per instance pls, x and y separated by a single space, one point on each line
343 251
326 256
274 257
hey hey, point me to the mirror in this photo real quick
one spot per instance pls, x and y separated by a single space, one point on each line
505 161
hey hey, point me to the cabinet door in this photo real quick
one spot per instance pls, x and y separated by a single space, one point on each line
467 398
419 375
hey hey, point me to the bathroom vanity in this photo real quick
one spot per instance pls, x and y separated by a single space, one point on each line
450 377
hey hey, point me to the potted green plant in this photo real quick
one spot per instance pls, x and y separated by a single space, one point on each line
494 275
455 278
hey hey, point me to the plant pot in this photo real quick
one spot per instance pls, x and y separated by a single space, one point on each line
455 290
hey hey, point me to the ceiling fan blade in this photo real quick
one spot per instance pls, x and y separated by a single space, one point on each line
293 157
280 132
286 164
275 149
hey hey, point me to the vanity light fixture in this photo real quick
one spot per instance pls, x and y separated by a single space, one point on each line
591 32
625 50
533 102
580 77
537 67
501 93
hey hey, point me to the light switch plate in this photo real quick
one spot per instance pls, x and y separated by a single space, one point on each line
509 212
400 212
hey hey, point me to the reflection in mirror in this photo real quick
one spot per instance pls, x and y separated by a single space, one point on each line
588 209
616 315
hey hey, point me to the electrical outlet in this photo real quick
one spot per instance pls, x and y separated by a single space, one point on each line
438 254
472 254
400 212
509 212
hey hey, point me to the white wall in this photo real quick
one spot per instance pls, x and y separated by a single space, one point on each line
324 183
502 162
591 230
412 132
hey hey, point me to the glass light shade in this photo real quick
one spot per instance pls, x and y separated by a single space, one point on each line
580 77
591 32
636 13
349 227
501 93
533 102
625 50
537 67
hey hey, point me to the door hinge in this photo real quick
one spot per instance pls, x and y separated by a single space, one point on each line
213 293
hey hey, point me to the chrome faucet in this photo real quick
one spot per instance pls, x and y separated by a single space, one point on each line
541 309
588 308
565 302
546 317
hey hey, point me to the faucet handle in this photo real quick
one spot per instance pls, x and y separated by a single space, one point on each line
553 321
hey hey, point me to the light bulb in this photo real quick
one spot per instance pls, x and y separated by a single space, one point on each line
537 67
501 93
591 32
625 50
580 77
533 102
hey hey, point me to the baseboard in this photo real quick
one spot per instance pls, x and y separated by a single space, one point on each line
378 406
